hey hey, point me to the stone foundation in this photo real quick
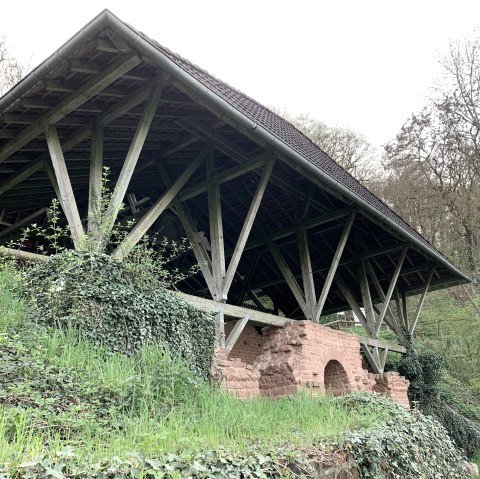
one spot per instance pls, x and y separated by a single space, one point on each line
277 361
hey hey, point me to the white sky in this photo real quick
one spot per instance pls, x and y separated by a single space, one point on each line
365 65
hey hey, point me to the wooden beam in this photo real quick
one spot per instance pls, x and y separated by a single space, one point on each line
367 298
288 275
157 208
22 255
372 358
380 343
421 301
18 177
23 222
232 311
216 232
236 332
390 320
66 198
203 258
224 176
247 227
311 223
129 165
112 114
95 181
405 309
391 287
352 302
307 273
113 71
333 267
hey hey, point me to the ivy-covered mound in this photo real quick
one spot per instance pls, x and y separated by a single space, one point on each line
407 445
120 305
424 371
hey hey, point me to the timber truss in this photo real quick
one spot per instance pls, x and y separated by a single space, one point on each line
279 231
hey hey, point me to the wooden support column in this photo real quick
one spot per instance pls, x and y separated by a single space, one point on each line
66 198
220 326
288 276
352 303
307 273
405 310
247 227
400 311
390 320
333 267
157 209
129 165
216 232
236 332
367 299
392 286
95 181
421 301
201 254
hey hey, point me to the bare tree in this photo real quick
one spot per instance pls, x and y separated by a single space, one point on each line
348 148
434 163
11 71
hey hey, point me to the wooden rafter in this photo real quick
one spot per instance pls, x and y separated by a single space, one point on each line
116 69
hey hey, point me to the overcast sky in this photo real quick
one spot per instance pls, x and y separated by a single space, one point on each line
365 65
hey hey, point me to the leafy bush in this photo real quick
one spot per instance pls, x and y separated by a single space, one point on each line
424 371
121 306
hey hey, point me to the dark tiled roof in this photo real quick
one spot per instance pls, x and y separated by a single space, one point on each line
290 135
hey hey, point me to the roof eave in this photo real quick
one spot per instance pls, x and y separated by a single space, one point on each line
88 32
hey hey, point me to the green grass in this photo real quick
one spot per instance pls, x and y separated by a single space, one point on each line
58 391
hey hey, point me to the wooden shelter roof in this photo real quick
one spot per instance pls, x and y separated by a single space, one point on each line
306 188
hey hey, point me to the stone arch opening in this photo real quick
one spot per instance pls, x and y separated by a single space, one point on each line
335 378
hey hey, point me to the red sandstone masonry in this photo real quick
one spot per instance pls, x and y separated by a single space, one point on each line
281 360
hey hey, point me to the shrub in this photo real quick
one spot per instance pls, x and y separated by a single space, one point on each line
424 371
121 306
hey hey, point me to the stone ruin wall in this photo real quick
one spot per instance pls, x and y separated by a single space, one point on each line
277 361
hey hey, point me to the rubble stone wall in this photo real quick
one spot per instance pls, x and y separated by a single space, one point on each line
277 361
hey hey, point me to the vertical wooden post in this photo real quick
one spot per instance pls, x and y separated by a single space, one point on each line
307 273
216 232
367 299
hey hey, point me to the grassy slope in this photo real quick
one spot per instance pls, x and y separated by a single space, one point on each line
57 391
